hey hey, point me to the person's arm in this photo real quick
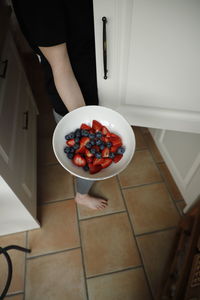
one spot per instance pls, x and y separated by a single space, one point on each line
65 81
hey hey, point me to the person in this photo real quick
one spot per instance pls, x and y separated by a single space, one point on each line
61 32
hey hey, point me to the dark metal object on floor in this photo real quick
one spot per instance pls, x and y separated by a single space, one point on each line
9 262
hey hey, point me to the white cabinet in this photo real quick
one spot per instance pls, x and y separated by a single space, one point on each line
17 146
152 60
154 76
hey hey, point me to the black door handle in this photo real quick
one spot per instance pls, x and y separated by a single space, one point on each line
5 65
25 120
104 19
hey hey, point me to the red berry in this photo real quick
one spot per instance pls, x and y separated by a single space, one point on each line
79 161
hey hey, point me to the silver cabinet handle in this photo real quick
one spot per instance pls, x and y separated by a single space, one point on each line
104 19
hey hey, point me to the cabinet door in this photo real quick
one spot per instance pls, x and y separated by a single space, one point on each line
109 89
8 101
155 58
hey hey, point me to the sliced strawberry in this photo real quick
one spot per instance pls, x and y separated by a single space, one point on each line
88 153
116 142
94 169
117 158
113 135
98 161
79 161
89 159
84 140
81 149
105 131
114 148
70 142
96 125
105 152
96 148
106 162
85 126
105 139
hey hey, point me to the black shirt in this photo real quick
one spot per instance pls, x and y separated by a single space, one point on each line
48 23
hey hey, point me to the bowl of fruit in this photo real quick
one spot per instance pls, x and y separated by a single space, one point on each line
93 142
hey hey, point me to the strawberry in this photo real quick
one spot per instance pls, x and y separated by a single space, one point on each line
96 125
84 140
116 142
85 126
97 161
105 131
94 169
89 159
105 139
81 149
114 149
117 158
79 161
106 162
105 152
88 153
70 142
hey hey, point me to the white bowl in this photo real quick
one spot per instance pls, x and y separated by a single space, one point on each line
107 117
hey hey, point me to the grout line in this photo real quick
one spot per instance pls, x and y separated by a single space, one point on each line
132 229
81 247
155 231
14 294
140 185
117 271
55 201
52 253
101 216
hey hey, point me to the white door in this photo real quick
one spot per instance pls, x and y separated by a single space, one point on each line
153 61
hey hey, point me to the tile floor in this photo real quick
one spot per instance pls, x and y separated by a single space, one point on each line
115 254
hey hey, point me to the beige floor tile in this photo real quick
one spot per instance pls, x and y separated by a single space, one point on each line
59 229
140 142
150 208
46 125
54 183
18 262
108 244
16 297
152 147
56 277
126 285
45 152
170 182
141 170
108 189
155 249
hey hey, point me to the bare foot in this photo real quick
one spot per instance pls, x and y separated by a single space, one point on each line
91 202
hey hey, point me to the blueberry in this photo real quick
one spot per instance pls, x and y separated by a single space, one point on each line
93 151
77 139
72 150
92 142
70 155
88 145
67 149
76 146
67 137
84 132
99 142
109 145
111 155
98 155
91 135
98 134
86 168
77 133
120 150
101 147
71 135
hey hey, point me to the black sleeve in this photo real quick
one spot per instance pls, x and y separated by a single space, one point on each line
42 22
